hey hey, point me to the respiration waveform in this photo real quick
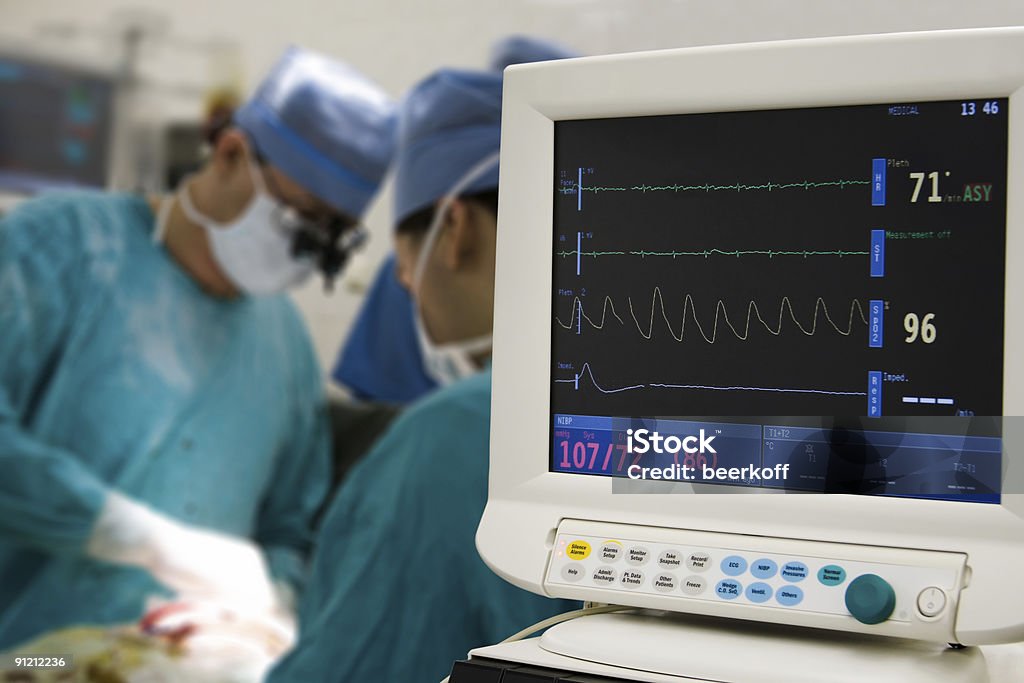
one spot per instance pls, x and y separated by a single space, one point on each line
721 315
588 371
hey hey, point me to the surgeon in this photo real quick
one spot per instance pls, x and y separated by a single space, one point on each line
161 413
381 359
398 591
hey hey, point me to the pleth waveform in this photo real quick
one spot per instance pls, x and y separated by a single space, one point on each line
721 316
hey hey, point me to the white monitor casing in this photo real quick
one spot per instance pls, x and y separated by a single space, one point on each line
527 502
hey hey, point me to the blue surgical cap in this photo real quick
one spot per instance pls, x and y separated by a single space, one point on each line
450 121
526 49
325 125
447 123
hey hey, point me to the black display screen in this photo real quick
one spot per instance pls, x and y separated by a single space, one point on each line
55 126
840 262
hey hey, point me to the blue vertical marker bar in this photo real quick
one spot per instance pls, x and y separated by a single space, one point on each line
579 191
875 313
875 393
877 182
877 253
579 245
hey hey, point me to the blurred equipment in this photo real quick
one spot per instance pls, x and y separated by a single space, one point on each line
184 151
55 125
162 78
186 142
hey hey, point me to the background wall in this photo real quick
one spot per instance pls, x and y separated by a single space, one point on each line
398 41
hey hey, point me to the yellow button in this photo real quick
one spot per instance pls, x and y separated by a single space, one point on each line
578 550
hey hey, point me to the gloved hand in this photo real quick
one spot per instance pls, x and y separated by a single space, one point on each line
215 643
192 562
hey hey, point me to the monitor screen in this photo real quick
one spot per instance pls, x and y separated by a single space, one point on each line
54 126
821 288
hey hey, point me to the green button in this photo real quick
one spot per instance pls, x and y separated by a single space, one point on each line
870 599
831 575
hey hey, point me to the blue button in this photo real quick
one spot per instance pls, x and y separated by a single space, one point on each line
831 575
794 571
764 568
727 589
789 596
759 592
734 565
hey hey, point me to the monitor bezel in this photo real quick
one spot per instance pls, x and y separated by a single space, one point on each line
526 500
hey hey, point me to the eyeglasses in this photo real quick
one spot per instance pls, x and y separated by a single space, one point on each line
327 240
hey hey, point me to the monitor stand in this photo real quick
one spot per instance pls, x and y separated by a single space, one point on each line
662 647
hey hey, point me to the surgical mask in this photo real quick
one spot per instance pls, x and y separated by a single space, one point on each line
255 249
447 363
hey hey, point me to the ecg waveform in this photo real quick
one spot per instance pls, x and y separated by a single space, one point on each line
711 187
721 315
770 253
588 371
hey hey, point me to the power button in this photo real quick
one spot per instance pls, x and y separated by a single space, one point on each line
931 601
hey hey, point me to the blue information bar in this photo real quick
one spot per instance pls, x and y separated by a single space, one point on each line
937 466
875 318
875 393
941 466
877 253
878 182
590 422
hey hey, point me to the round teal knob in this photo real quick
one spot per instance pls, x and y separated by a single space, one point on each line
870 599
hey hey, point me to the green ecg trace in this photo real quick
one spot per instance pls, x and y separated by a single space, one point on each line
770 253
709 187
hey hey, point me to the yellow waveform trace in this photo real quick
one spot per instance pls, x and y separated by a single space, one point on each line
721 315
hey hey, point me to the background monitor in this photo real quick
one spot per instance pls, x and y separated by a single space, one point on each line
55 125
803 248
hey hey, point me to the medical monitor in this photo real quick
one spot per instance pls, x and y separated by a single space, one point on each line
55 124
755 333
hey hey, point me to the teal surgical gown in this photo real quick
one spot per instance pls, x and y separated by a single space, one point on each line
118 373
397 591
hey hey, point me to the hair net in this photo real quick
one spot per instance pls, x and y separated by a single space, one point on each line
325 125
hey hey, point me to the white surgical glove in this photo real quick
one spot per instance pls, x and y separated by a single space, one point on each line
192 562
216 644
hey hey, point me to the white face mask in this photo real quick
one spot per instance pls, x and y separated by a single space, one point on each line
255 249
447 363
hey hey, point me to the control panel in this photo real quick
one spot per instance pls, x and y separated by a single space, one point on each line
891 591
